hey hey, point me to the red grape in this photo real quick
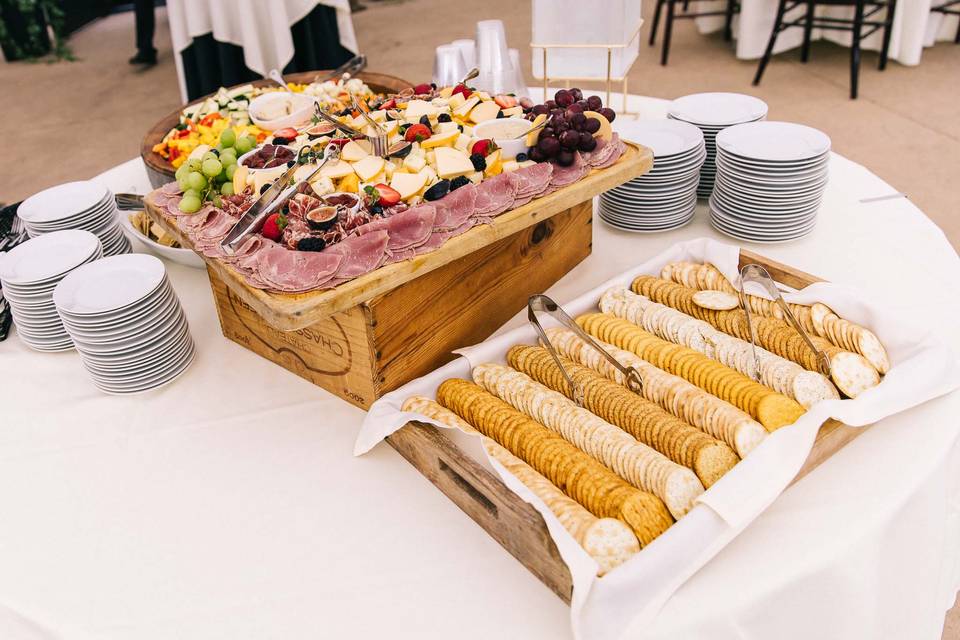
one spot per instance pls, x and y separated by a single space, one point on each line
608 113
592 125
548 131
550 105
571 111
577 94
578 120
583 105
570 139
565 158
536 155
548 146
540 108
595 103
564 98
587 142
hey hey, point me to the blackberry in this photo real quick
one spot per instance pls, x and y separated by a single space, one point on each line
280 140
311 243
444 117
459 181
376 210
479 162
501 114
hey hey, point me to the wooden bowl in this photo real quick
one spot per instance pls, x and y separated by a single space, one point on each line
161 171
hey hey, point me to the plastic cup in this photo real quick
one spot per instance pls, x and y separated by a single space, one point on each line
448 66
468 50
491 44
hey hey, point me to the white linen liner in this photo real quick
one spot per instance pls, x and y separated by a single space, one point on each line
629 596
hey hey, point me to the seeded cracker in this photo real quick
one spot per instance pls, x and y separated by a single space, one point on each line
716 300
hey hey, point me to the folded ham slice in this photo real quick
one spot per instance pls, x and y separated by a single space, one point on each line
533 179
172 188
563 176
456 207
292 271
495 195
360 254
407 229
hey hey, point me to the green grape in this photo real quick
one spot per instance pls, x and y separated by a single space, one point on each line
182 183
196 181
209 155
227 189
194 164
229 151
231 169
190 204
228 138
181 172
191 192
211 167
219 148
244 144
221 177
227 160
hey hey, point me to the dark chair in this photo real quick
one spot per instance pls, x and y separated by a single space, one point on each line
950 8
864 22
733 6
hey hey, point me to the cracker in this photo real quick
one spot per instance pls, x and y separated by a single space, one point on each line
716 300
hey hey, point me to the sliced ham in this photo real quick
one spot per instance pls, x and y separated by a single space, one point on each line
172 207
292 271
361 254
602 154
621 148
456 207
496 195
171 188
191 223
563 176
533 179
244 259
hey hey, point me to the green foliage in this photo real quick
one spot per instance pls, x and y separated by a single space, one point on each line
37 15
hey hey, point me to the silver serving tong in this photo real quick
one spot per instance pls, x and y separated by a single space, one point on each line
350 68
540 302
129 201
756 273
473 73
326 117
380 142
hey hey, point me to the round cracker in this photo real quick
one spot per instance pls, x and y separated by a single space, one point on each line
852 373
872 349
716 300
818 312
810 387
609 542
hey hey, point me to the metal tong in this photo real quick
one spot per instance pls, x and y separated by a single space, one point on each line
349 68
540 302
252 221
756 273
380 141
326 117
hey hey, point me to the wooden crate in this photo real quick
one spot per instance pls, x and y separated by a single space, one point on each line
385 328
376 346
516 525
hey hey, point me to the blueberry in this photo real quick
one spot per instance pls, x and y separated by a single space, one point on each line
444 117
521 157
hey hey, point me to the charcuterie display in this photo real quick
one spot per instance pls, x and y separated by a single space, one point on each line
455 158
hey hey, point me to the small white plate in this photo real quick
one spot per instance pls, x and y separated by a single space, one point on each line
718 109
109 284
774 141
665 137
45 257
62 201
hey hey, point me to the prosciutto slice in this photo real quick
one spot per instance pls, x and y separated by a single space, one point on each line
496 195
360 254
292 271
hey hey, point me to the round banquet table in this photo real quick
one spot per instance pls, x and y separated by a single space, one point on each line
915 26
228 504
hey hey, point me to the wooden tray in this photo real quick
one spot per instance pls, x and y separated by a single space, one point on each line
516 525
161 171
290 312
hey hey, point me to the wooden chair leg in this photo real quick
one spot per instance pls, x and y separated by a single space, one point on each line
807 30
728 21
855 50
667 32
765 60
887 31
656 21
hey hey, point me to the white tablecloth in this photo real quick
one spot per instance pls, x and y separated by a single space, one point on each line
227 505
261 27
914 28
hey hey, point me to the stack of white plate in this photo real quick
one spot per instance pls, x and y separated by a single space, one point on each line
770 180
126 322
665 197
76 205
712 113
29 273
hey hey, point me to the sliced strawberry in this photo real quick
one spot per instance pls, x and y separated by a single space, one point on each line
388 195
340 141
417 133
462 88
505 102
273 226
484 147
287 132
389 104
423 88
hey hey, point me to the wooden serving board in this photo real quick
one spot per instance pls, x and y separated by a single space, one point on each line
515 524
161 171
290 312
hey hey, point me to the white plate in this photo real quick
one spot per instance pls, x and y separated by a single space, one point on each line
634 229
774 141
717 109
123 317
664 137
151 385
47 256
62 201
109 284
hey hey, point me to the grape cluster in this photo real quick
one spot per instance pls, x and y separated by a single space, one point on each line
207 178
568 128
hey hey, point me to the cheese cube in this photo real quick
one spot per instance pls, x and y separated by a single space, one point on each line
510 165
408 184
484 111
337 169
368 167
414 163
455 101
353 151
418 108
467 105
452 163
513 112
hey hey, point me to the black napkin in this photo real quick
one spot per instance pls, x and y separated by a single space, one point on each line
12 233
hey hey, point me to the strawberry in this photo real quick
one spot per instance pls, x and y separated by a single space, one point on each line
340 141
484 147
423 88
462 88
288 132
417 133
505 102
388 195
389 104
273 226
